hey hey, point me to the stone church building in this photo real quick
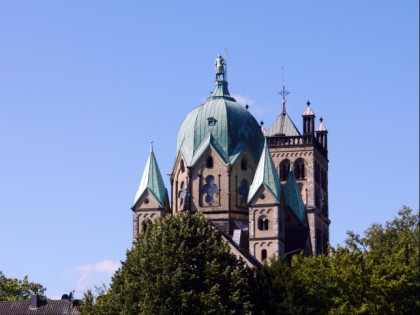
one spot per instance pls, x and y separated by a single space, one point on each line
265 190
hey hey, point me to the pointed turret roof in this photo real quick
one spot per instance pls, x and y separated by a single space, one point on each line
293 198
308 110
283 126
266 175
321 127
152 181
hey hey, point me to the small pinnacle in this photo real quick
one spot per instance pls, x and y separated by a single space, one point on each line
308 103
151 146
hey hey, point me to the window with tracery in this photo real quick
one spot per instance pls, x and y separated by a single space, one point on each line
210 190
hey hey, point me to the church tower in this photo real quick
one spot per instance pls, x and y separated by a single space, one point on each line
151 198
266 191
307 154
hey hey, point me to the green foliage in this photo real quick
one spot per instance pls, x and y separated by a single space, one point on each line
180 265
12 289
273 293
374 274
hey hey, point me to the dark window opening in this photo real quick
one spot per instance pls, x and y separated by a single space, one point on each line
262 223
244 165
209 162
263 254
299 169
144 226
284 169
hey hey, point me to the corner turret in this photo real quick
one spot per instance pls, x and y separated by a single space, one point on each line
151 198
308 120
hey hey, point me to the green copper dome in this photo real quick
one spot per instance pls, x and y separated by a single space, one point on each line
221 123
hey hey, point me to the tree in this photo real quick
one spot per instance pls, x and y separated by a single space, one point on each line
12 289
374 274
273 293
180 265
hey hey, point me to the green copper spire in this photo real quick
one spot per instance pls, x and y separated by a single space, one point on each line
293 198
266 175
152 181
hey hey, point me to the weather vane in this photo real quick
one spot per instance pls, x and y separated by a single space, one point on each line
284 92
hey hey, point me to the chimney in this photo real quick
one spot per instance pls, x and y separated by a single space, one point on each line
34 302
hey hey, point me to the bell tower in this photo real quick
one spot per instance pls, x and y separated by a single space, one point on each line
308 153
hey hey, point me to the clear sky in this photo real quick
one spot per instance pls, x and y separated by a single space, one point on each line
86 85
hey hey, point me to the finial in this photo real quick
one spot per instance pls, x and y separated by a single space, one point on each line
308 103
262 128
220 68
284 92
246 106
321 119
151 146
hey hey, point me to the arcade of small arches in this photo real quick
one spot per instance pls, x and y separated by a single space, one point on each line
143 221
298 169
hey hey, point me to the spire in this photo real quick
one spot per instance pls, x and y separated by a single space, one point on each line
321 134
308 110
283 126
152 181
266 175
293 198
284 92
321 127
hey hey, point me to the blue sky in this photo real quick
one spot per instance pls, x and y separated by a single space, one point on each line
86 85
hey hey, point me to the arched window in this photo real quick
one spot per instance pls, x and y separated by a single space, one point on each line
263 223
244 165
182 166
182 193
144 226
263 254
209 162
299 169
284 169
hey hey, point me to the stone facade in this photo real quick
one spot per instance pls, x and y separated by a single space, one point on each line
220 161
